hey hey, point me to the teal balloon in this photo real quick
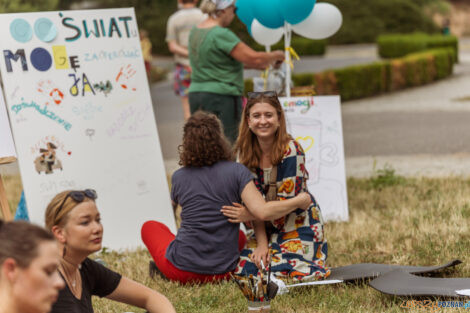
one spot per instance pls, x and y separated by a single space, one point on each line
268 13
295 11
245 12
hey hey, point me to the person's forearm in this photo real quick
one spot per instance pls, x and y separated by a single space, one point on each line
178 49
159 304
260 233
276 209
262 61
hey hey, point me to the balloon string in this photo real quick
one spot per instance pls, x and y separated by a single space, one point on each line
293 54
264 75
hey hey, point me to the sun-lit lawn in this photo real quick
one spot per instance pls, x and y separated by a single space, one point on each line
392 220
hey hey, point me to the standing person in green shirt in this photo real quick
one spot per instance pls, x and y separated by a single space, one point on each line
217 58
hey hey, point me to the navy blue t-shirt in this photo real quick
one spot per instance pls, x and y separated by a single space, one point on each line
207 243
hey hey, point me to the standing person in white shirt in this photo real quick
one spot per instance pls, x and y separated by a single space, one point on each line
177 36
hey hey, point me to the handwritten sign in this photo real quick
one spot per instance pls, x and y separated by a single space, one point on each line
82 116
7 148
315 122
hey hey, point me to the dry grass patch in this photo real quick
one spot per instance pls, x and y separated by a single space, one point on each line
392 220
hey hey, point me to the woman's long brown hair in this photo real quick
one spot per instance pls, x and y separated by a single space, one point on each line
247 146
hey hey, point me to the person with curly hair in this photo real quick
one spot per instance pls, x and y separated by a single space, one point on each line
206 247
298 245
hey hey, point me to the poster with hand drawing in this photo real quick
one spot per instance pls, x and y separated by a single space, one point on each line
7 148
315 122
81 113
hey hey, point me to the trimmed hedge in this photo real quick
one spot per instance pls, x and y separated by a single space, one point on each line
303 46
367 80
399 45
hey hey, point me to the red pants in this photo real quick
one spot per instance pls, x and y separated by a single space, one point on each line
156 236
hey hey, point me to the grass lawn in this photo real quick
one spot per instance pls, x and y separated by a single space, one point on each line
392 220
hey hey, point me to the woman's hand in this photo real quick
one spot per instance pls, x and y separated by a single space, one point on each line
305 200
237 213
261 253
278 58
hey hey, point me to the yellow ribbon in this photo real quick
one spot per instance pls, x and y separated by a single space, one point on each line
292 54
264 75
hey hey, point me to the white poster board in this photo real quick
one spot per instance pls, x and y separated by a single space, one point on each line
7 148
82 116
315 122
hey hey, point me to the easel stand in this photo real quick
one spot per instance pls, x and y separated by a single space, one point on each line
6 213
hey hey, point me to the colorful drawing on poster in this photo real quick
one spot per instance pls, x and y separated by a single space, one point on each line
47 89
87 111
123 77
20 30
104 88
89 132
47 161
17 108
45 29
306 142
60 57
112 55
86 85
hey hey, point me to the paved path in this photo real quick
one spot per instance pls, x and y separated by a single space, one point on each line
423 131
418 131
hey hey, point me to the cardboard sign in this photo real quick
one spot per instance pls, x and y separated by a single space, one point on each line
7 148
82 116
315 122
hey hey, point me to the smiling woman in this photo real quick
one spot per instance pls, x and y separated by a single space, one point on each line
73 218
29 258
295 242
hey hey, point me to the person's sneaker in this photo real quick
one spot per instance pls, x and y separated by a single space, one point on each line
154 270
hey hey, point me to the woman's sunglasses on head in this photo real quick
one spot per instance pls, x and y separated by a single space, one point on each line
79 196
256 94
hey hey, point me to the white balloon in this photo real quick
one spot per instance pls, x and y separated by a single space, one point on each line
265 36
323 22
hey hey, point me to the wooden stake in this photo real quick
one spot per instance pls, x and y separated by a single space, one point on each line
7 160
4 202
3 195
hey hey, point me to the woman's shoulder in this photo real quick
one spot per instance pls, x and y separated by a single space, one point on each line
222 31
293 148
231 165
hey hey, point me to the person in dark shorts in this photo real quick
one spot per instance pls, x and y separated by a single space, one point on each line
178 27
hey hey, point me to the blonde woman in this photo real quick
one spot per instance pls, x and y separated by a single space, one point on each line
73 218
29 258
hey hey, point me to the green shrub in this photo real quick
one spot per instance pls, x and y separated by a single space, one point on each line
362 80
306 79
303 46
399 45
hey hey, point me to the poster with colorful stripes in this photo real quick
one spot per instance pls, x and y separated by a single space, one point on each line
82 117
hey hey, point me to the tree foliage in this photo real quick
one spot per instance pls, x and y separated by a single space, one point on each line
364 22
12 6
